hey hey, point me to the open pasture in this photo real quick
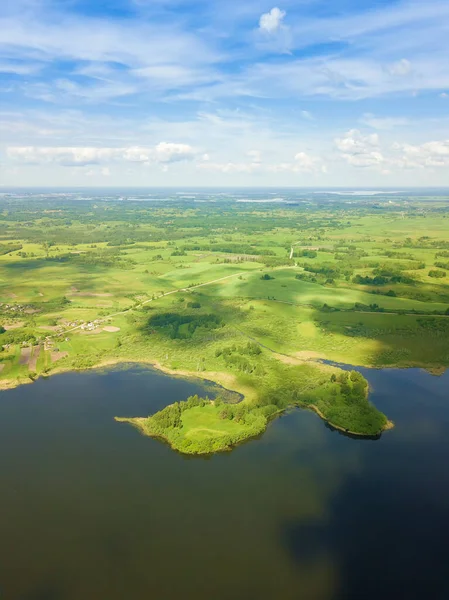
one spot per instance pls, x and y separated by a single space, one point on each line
359 282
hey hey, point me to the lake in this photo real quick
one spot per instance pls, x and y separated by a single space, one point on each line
92 510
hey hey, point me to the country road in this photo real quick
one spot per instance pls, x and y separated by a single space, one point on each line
123 312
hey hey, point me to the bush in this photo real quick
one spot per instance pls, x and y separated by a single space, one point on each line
193 305
179 326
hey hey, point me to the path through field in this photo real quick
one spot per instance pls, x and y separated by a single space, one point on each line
123 312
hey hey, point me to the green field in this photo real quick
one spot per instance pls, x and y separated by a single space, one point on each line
252 297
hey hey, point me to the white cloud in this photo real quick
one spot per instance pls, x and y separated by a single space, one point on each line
82 156
428 155
131 43
272 21
444 95
302 163
359 150
272 35
305 162
167 152
19 68
400 68
230 167
124 57
305 114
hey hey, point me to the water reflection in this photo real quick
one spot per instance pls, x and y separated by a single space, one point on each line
91 509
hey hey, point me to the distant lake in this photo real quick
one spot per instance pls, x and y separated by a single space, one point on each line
92 510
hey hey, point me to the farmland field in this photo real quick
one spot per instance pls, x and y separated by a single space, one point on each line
252 296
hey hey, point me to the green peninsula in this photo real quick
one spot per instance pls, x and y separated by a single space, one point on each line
203 426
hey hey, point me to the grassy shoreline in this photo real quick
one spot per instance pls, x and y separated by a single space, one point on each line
227 381
205 433
140 424
12 383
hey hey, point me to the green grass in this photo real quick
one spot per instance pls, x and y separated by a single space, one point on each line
283 315
285 288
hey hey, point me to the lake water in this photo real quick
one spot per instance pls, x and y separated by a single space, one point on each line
92 510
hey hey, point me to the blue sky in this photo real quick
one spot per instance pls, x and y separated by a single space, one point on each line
196 92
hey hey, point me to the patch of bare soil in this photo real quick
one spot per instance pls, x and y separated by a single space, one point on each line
91 294
14 325
58 355
289 360
25 355
33 362
308 355
111 328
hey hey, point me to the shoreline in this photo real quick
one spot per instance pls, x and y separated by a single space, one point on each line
389 424
225 380
135 422
8 384
139 424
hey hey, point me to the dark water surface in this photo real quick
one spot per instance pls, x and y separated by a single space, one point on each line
92 510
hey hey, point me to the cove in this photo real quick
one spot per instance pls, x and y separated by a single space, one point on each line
91 509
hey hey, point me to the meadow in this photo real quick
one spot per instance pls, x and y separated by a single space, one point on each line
252 296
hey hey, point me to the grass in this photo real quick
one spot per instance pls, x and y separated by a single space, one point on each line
202 429
72 269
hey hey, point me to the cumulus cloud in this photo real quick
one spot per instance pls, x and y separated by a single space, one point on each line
271 22
305 162
360 150
168 152
364 151
163 153
429 154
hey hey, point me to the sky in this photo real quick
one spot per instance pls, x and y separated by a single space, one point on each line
259 93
